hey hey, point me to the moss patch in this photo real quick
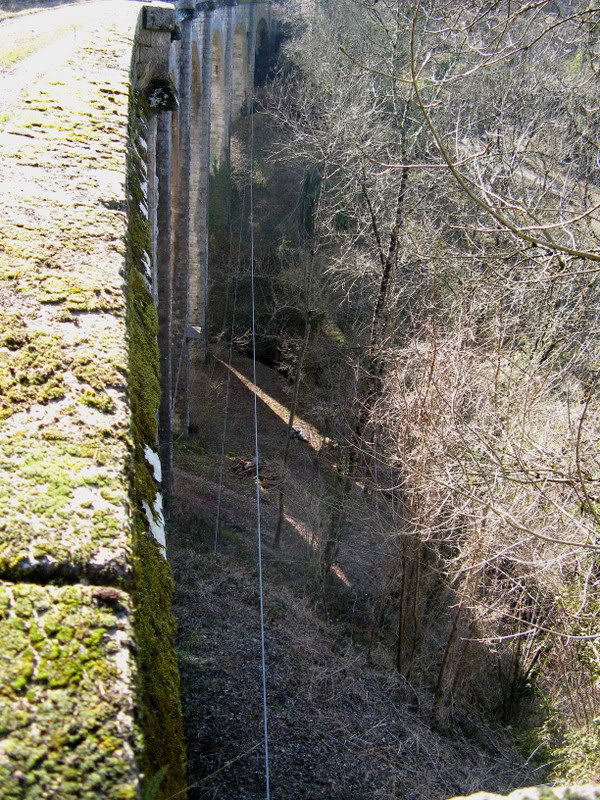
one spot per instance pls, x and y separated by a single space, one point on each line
75 472
31 366
24 46
159 712
66 716
64 500
61 512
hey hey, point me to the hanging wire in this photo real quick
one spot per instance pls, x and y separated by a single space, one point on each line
228 386
257 484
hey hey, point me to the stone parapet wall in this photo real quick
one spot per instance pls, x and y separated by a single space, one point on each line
94 162
88 679
68 693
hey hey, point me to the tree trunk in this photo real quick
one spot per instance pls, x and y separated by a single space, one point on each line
409 623
301 357
455 648
373 384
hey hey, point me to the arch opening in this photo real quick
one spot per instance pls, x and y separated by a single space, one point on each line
262 54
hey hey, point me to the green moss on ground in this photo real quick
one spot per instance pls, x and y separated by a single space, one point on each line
66 711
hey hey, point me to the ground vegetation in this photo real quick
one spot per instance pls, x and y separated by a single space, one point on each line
456 156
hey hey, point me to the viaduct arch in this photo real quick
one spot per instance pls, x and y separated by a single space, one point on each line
209 56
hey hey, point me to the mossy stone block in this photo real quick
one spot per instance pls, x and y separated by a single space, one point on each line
64 510
67 724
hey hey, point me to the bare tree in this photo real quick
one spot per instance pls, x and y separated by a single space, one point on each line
460 239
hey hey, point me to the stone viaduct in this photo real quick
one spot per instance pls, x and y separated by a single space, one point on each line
204 80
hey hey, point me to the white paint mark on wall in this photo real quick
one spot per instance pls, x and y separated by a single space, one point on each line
154 460
147 265
156 520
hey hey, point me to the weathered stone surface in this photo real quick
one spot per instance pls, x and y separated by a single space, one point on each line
585 792
160 95
152 77
63 509
67 688
64 412
79 395
86 712
159 18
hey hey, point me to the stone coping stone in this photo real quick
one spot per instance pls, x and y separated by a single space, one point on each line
67 687
159 17
63 510
65 419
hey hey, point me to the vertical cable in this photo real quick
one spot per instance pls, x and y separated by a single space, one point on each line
228 388
256 480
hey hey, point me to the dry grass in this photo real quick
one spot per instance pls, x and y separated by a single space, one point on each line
341 726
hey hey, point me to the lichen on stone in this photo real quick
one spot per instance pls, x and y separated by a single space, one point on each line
31 365
66 686
79 385
54 515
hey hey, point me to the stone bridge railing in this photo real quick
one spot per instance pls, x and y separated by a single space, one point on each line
88 678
